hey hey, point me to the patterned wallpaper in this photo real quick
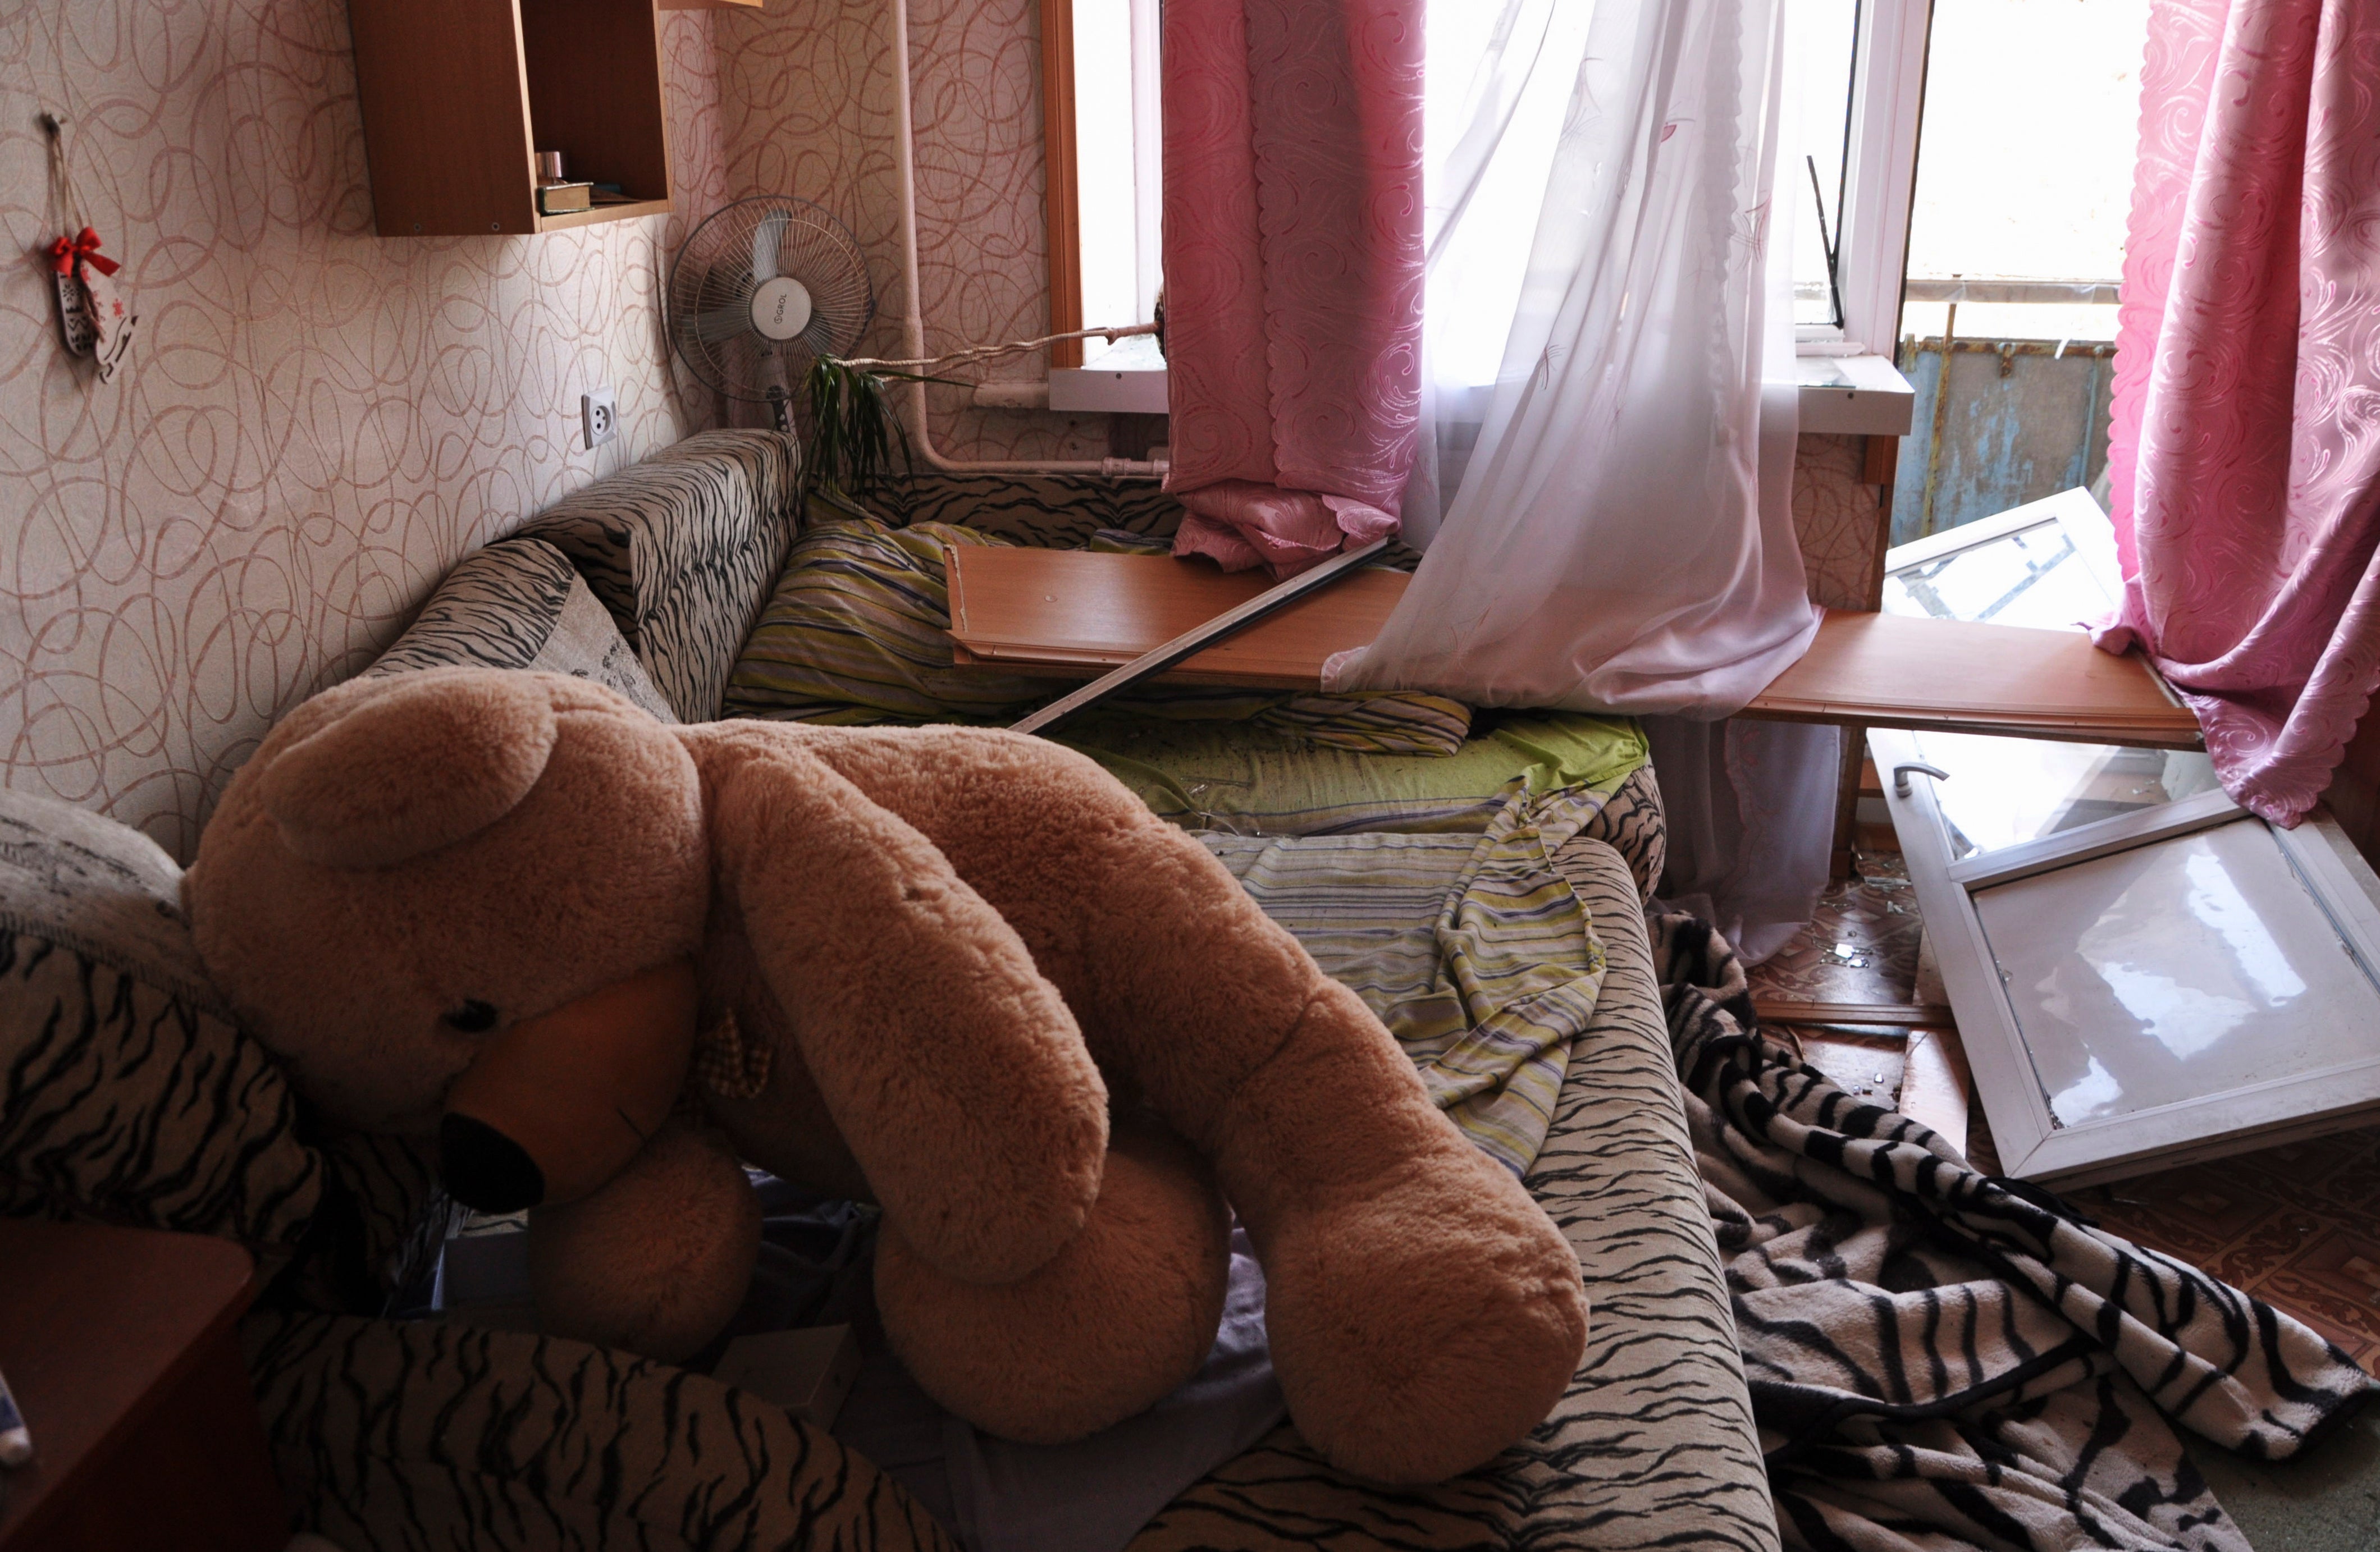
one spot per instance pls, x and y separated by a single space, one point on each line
315 423
1839 521
805 96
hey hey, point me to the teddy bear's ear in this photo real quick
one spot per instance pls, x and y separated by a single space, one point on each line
404 765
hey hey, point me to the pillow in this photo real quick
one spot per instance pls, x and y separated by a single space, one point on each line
1051 511
520 603
681 549
126 1093
856 632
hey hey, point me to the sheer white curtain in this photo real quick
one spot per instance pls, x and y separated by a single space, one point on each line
1604 495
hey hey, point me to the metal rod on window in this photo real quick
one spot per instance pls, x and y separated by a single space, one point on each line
1948 345
1825 243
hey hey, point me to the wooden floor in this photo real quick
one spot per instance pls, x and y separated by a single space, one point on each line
2297 1226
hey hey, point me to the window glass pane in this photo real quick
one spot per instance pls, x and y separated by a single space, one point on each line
1820 40
2034 577
1105 211
2175 971
2003 792
2025 170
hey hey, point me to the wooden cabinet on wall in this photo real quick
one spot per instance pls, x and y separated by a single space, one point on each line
457 95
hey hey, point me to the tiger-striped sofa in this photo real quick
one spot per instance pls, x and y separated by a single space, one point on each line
126 1094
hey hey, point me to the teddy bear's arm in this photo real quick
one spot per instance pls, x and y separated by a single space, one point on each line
952 1068
659 1259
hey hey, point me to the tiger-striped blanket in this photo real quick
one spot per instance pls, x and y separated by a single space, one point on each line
1940 1360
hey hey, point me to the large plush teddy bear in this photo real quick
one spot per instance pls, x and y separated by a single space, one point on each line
961 974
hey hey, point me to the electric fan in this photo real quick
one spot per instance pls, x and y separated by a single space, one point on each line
762 289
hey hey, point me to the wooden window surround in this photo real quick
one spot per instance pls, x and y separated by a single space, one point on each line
1063 199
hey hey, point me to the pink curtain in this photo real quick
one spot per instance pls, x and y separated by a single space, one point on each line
2244 460
1292 271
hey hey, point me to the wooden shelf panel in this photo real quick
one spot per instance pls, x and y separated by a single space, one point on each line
1071 614
456 94
601 214
1962 676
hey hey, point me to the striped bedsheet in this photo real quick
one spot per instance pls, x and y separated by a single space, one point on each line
1473 951
1565 765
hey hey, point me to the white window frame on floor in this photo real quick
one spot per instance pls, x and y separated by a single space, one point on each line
1879 180
2032 1145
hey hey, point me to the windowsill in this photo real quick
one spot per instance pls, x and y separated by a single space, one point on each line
1855 396
1128 378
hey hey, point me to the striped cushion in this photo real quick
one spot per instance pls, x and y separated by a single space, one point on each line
1578 775
1048 511
519 603
126 1093
681 549
1051 511
857 632
413 1435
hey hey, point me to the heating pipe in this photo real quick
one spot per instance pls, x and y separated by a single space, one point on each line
913 329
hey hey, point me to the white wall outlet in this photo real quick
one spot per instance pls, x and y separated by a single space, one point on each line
599 412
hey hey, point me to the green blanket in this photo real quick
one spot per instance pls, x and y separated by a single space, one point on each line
1561 766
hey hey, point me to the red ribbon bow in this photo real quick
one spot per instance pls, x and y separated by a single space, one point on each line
81 249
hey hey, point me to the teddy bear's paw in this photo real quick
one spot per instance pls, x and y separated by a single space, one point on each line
1122 1317
657 1261
1420 1331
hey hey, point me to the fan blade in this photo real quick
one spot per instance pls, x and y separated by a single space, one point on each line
766 238
725 324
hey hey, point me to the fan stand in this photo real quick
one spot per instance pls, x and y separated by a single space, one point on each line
779 410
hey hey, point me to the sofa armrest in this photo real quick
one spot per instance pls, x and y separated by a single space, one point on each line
682 548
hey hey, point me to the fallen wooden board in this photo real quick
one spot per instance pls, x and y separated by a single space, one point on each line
1960 677
1199 637
1071 613
1074 615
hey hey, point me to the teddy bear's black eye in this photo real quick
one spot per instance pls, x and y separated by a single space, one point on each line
474 1017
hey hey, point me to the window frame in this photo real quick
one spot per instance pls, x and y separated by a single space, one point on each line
2032 1145
1879 184
1063 200
1877 191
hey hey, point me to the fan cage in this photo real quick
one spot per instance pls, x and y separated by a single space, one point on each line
721 266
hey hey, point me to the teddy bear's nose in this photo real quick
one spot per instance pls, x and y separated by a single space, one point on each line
484 1169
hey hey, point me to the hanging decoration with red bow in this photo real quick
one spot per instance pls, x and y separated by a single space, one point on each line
93 320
